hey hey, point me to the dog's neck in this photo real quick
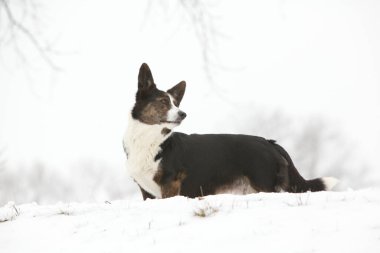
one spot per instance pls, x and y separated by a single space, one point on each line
144 137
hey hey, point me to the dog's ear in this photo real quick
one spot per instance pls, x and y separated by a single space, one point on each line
146 81
177 92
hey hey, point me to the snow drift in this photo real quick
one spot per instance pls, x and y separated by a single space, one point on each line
263 222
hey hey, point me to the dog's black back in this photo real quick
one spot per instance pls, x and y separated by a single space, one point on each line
212 161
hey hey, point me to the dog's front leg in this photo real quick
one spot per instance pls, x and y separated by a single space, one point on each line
173 187
170 185
145 194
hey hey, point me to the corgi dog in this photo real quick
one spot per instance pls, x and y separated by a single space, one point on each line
165 163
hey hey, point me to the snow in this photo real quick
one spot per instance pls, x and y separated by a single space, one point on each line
8 212
270 222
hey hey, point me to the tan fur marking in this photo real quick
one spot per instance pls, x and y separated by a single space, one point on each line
165 131
158 176
173 188
156 111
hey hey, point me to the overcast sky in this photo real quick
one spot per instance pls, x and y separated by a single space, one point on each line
305 58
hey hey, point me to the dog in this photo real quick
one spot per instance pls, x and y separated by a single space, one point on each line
165 163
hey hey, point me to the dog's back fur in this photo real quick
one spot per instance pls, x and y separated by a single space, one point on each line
216 163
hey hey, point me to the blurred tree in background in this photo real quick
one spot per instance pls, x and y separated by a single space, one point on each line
21 28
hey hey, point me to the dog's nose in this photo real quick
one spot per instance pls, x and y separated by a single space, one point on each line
182 114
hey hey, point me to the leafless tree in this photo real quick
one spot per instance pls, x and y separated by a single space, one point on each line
93 180
206 31
199 14
16 19
2 159
316 146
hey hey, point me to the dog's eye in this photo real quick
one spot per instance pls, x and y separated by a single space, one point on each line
164 101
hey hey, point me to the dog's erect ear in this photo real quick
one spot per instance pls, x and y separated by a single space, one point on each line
146 81
177 92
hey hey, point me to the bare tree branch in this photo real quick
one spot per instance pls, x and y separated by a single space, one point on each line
205 30
203 22
16 25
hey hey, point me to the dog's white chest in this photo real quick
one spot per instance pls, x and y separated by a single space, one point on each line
142 168
142 144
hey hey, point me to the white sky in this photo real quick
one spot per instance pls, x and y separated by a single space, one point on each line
303 57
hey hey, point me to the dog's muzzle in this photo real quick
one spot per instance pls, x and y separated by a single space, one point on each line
182 115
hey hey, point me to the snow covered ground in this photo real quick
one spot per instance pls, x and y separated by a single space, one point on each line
266 222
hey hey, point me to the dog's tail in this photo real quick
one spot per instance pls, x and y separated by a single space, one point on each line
297 183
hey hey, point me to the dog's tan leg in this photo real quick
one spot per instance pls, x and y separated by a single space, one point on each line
172 187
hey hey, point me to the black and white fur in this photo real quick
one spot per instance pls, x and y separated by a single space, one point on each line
166 163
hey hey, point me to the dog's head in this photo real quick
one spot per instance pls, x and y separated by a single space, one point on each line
154 106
